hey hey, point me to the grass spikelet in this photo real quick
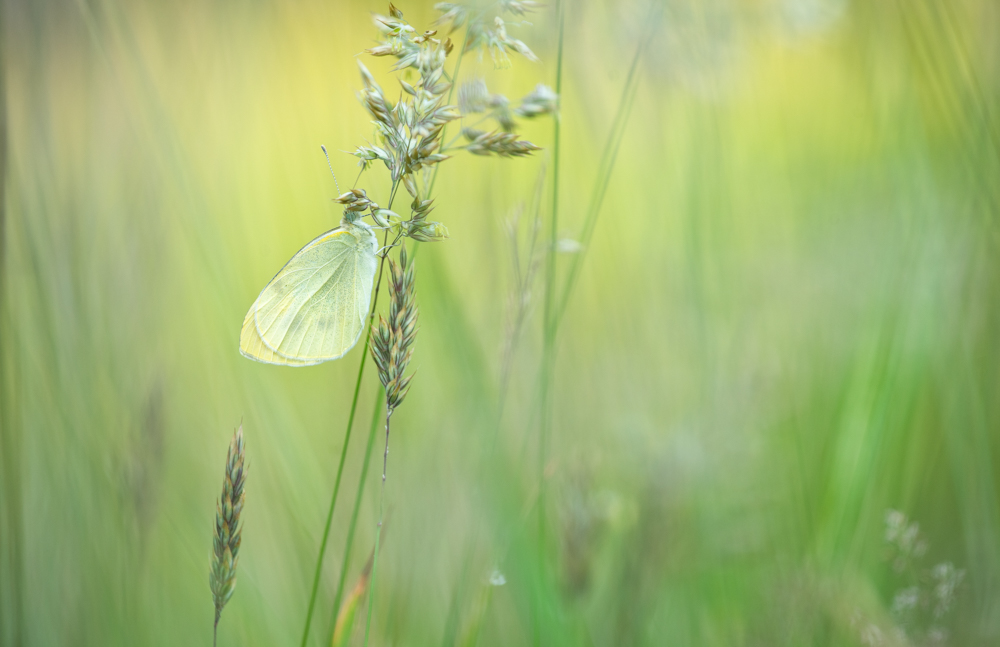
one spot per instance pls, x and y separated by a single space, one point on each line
228 532
392 348
497 143
392 340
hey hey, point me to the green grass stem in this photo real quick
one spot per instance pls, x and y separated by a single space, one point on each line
336 490
378 531
548 342
608 158
548 351
347 440
376 415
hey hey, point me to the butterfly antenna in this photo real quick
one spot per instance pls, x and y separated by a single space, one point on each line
331 168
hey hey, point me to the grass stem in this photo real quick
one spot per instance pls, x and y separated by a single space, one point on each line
548 347
347 440
378 532
376 414
607 164
548 336
336 490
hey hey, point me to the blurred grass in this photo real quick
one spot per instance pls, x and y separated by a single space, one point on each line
785 325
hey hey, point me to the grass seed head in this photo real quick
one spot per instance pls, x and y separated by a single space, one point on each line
393 338
374 99
452 14
228 532
503 144
542 101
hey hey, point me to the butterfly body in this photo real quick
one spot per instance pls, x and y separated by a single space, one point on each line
314 309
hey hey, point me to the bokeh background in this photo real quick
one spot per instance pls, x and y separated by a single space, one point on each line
775 402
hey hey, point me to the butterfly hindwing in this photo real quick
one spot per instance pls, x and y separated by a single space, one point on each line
252 346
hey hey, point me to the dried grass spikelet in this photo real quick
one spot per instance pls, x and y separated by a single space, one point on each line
419 228
486 34
497 143
452 14
392 340
519 8
408 133
374 99
542 101
228 532
496 41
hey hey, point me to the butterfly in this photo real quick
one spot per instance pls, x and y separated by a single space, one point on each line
314 308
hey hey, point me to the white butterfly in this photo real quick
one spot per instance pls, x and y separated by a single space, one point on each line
314 309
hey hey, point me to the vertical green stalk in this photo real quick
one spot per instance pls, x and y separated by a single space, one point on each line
378 532
548 330
376 414
347 440
336 490
607 164
11 575
548 348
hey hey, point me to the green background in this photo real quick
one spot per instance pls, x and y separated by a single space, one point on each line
785 325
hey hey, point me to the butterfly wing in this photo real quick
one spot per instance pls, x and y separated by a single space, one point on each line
314 309
252 346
